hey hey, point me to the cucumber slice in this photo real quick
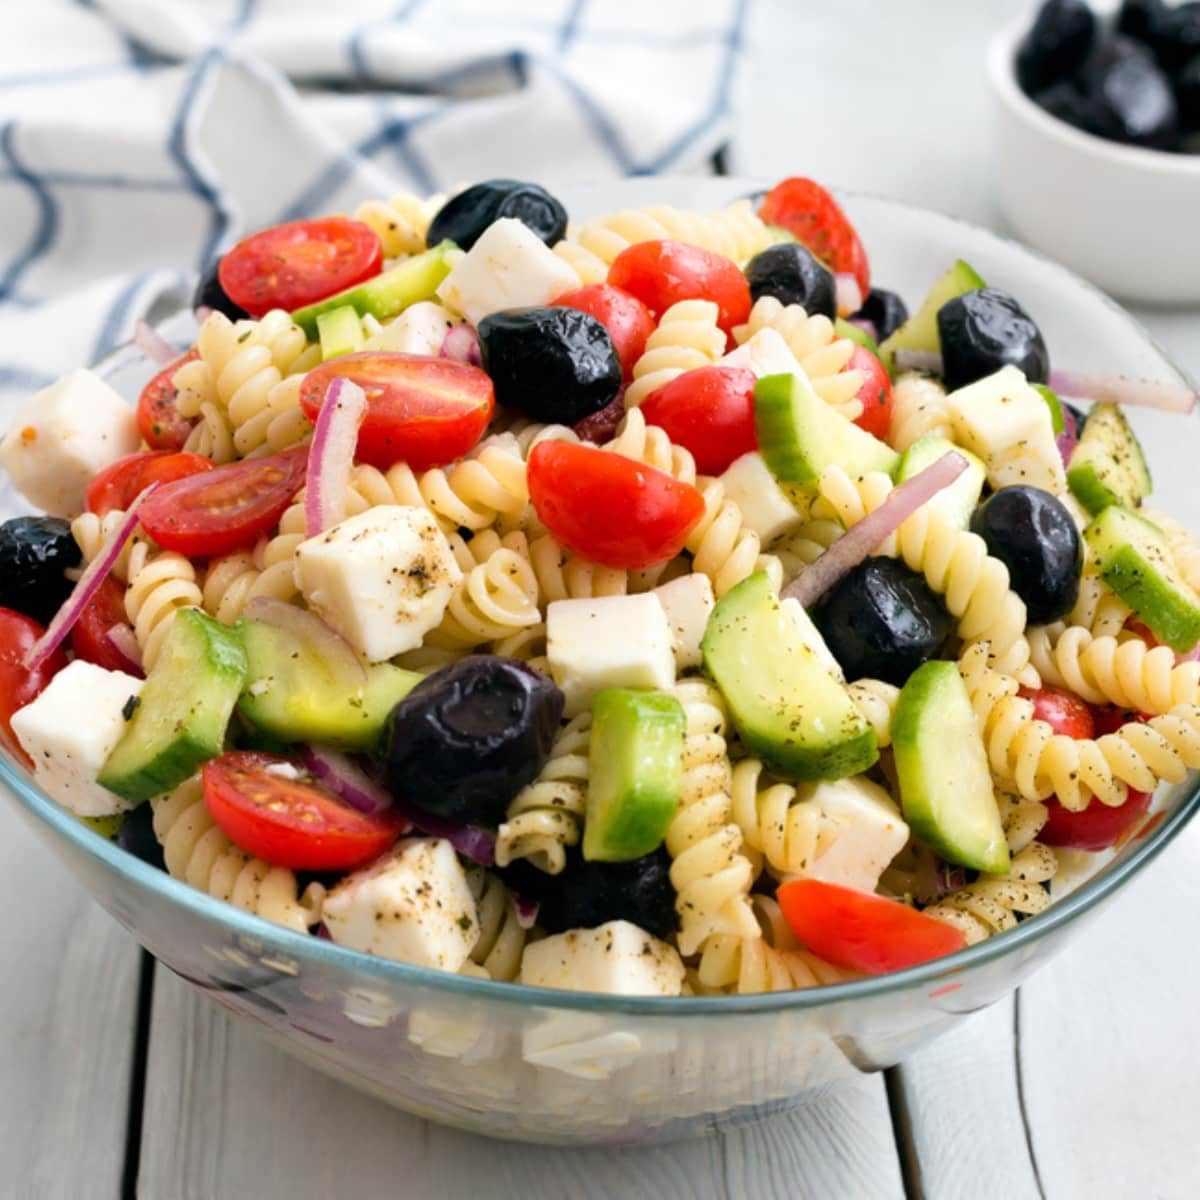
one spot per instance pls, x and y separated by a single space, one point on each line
106 827
957 502
1135 561
183 710
1108 466
340 331
1057 421
844 329
291 694
787 706
946 787
799 435
635 769
920 331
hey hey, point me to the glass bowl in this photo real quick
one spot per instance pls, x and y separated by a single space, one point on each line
573 1068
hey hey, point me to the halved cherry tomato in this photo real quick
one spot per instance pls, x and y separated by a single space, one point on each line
816 220
1095 828
425 412
875 395
226 508
117 486
289 266
19 685
862 931
708 411
660 274
1064 712
158 417
628 321
1109 718
610 508
292 822
89 635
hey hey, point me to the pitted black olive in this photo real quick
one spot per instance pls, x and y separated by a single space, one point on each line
470 736
465 216
210 294
885 310
984 330
137 836
1177 36
35 553
1140 19
793 275
1056 45
1130 98
554 364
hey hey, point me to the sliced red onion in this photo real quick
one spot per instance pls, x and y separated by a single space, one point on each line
202 313
122 642
868 327
86 587
861 540
153 345
333 649
331 458
948 878
527 911
346 779
461 345
929 361
322 931
1069 438
1121 389
849 294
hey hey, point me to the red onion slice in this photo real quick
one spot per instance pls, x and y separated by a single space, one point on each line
1121 389
527 911
86 587
1069 438
329 645
860 540
849 294
346 780
868 327
124 644
153 345
461 345
331 458
928 361
202 313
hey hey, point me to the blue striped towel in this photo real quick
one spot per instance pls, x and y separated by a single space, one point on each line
139 138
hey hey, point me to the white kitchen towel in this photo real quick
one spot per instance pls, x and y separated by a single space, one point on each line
139 138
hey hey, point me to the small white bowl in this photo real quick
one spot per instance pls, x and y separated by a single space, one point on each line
1126 218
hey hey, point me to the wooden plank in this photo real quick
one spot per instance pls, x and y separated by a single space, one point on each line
226 1113
68 1008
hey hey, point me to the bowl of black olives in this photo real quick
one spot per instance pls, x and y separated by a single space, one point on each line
1098 141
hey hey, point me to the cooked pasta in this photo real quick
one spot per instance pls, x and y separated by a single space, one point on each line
159 583
687 337
803 546
789 831
721 545
501 937
563 575
876 701
92 535
1182 543
650 445
400 223
918 410
1021 820
497 595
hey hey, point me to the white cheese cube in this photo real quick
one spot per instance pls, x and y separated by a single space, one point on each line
810 635
64 435
71 729
414 905
608 641
766 353
765 507
688 602
508 267
382 579
617 958
419 329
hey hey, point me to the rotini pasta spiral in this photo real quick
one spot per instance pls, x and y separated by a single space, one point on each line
787 830
1182 543
400 223
687 337
650 445
198 853
501 937
1021 820
918 410
876 701
806 544
494 598
159 583
92 534
562 575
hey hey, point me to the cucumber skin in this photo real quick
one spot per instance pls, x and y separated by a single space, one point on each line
339 331
1096 482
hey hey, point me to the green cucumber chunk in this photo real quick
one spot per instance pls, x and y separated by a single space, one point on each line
106 827
946 787
1135 561
388 294
635 770
799 435
183 710
778 234
1057 421
291 694
844 329
1108 466
340 331
787 706
957 502
920 331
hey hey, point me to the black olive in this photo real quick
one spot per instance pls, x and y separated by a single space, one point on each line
210 294
984 330
35 553
137 836
470 736
1130 97
465 216
1032 534
1056 45
1065 101
1140 19
882 620
1187 95
885 310
554 364
1177 36
793 275
587 894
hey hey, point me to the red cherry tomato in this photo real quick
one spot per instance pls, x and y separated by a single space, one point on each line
118 486
19 685
609 508
425 412
1063 711
292 822
660 274
816 220
226 508
289 266
708 411
159 422
1108 718
628 321
89 635
875 395
1095 828
862 931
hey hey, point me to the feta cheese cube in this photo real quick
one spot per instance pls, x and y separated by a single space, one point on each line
766 353
608 641
508 267
688 602
617 958
382 579
765 507
413 905
64 435
71 729
419 329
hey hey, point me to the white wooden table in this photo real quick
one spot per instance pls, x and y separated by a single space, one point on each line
115 1079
